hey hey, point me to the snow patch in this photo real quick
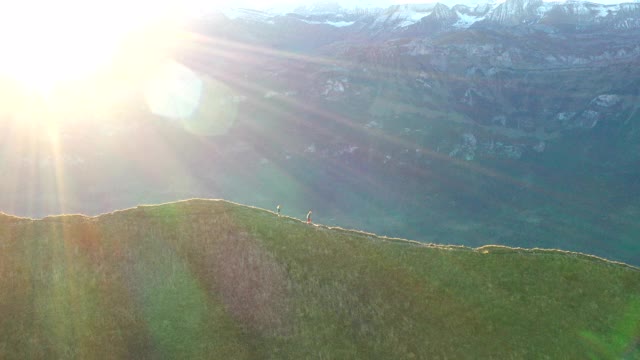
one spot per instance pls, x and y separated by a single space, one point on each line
603 11
331 23
544 8
606 100
404 15
335 86
465 20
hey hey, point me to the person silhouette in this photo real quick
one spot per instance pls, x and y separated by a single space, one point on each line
278 210
309 217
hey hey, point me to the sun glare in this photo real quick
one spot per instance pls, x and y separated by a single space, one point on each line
47 44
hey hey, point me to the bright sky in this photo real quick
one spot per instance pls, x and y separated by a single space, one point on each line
344 3
369 3
46 42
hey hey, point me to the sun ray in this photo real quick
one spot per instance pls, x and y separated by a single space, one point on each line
302 108
56 154
294 106
234 52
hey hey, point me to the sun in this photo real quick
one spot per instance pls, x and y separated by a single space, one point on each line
47 44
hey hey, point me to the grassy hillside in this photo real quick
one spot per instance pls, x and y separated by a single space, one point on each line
215 280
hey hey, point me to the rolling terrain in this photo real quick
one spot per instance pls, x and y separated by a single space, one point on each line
210 279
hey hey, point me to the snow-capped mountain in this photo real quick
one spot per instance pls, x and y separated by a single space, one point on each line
496 64
421 91
441 17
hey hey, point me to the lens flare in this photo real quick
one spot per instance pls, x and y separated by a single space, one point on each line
198 103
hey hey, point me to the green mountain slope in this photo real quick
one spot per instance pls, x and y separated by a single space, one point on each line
212 279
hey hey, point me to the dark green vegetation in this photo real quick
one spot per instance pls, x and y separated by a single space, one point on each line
212 279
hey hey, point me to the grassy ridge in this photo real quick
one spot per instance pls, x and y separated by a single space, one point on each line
211 279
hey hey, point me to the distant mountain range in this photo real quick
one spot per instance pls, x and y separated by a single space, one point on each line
545 94
459 16
525 70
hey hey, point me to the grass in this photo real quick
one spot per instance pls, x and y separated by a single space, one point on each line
205 279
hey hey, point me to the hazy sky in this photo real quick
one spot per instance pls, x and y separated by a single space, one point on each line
369 3
345 3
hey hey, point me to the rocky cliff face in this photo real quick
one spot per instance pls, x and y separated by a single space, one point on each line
521 73
516 102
